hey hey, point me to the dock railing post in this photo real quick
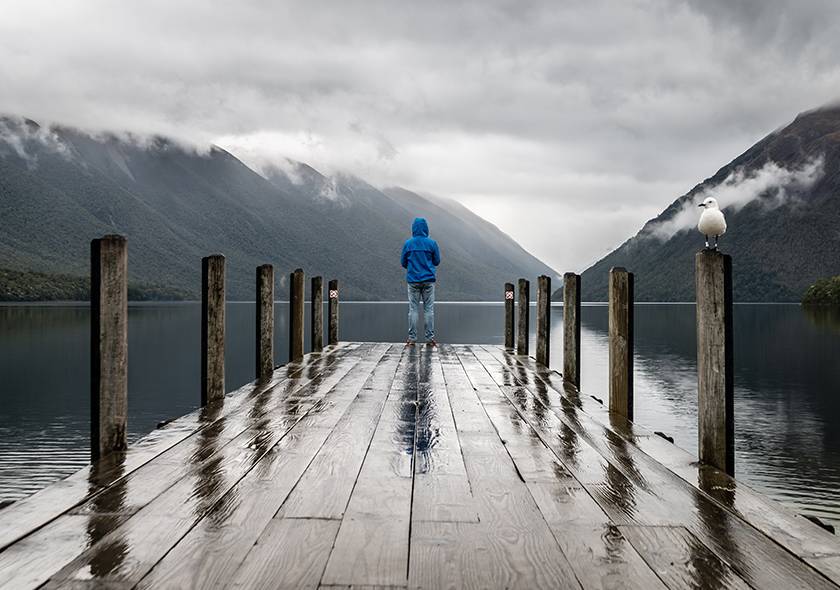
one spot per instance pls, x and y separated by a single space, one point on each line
509 321
317 314
524 317
571 328
332 312
715 383
621 341
543 320
212 328
265 322
296 315
109 345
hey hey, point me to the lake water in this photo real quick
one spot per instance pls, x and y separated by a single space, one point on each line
787 381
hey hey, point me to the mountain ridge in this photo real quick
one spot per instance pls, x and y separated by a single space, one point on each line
782 238
61 187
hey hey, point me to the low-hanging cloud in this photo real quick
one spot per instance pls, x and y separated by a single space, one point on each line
17 135
529 112
771 185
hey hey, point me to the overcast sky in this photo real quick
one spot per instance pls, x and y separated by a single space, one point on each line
568 124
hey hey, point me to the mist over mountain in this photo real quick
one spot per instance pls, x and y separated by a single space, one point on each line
61 187
781 199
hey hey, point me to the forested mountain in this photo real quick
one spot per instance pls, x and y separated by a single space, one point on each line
61 187
781 199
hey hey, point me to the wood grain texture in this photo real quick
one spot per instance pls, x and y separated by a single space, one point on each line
316 309
792 531
680 559
544 320
462 466
265 322
46 505
599 553
621 342
212 328
523 322
209 474
510 334
636 490
571 328
109 345
715 380
373 541
297 288
291 553
332 311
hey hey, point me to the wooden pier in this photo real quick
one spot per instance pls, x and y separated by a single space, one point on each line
379 465
376 465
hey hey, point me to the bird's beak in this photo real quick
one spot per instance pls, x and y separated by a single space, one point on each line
702 205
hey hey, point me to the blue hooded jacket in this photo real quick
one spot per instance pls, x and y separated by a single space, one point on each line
420 254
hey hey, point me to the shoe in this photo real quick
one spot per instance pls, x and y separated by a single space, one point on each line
431 343
410 343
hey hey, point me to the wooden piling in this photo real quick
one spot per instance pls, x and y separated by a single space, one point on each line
212 328
317 314
571 328
715 383
621 341
265 322
524 316
509 321
332 312
296 315
109 345
543 319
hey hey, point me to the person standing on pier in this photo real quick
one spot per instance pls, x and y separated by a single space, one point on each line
420 258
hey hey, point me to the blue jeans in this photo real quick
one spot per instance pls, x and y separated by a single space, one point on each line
416 293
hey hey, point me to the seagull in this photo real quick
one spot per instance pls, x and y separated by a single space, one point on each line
712 221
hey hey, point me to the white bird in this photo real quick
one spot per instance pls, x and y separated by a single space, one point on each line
712 222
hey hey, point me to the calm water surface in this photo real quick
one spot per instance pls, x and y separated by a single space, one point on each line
787 379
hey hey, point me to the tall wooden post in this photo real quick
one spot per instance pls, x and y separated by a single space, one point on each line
509 321
296 315
265 322
212 328
109 345
524 317
621 342
715 382
317 314
571 328
332 311
543 319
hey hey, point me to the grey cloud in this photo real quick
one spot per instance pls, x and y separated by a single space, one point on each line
535 114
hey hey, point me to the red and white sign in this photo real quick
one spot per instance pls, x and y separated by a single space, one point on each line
333 293
508 294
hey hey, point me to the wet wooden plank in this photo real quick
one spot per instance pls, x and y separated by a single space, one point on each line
598 551
207 451
213 550
680 559
512 532
189 499
45 505
479 555
325 488
441 486
805 540
290 553
372 543
637 490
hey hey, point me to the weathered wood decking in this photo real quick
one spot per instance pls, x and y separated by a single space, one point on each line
378 465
